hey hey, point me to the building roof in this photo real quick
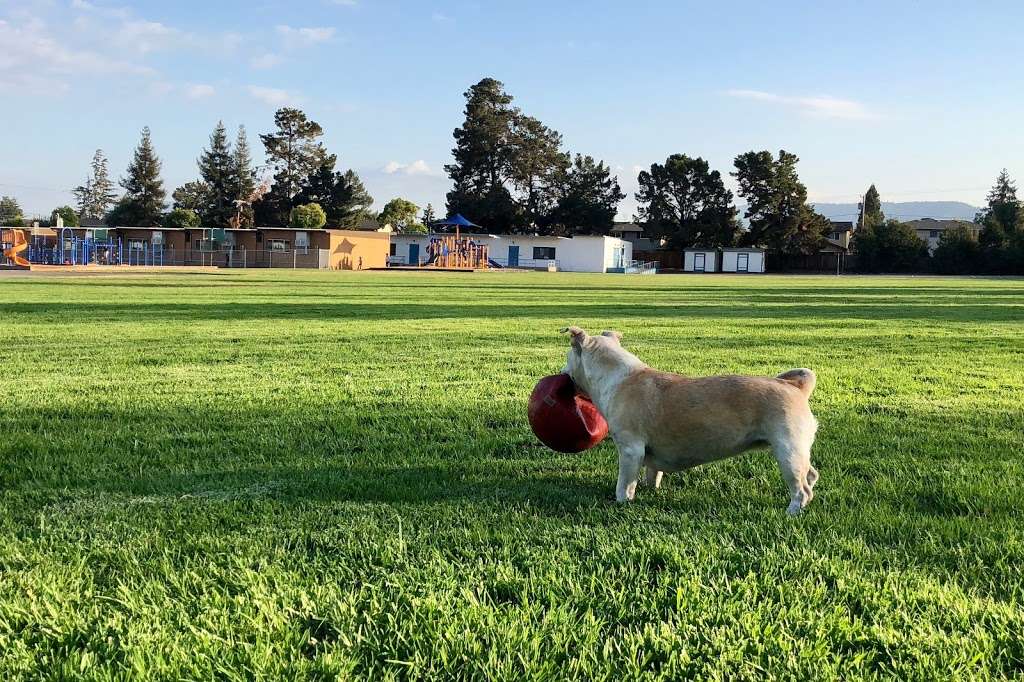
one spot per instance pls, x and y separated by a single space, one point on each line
842 225
626 227
937 224
752 249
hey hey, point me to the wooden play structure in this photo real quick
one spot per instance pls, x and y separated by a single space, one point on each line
456 251
12 245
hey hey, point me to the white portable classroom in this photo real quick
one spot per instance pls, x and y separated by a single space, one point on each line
743 260
583 253
700 260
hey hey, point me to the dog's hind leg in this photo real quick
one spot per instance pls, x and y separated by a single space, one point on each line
631 458
652 477
792 448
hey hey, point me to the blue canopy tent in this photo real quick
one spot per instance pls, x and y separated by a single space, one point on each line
457 221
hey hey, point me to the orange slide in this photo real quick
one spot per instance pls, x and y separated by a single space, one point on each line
16 238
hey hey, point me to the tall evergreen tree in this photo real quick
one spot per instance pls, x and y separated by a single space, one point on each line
218 170
588 199
1003 215
870 210
244 180
686 202
143 202
192 196
97 195
777 210
428 217
294 153
483 155
538 166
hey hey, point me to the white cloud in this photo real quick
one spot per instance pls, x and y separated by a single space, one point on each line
440 18
199 91
824 106
418 167
267 60
304 37
273 96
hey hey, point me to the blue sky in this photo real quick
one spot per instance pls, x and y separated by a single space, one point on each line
922 98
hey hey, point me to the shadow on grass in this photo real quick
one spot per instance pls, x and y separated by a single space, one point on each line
800 308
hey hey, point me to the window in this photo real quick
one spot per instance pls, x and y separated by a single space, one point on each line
394 249
136 245
277 245
302 240
544 253
933 234
698 262
835 235
158 238
743 262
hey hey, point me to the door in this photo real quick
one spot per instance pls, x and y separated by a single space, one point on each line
414 254
698 262
743 262
513 256
617 259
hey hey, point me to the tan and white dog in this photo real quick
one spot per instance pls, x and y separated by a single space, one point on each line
668 422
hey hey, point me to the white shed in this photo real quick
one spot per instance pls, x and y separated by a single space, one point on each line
700 260
743 260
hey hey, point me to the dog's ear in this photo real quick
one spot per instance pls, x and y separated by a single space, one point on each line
612 335
578 336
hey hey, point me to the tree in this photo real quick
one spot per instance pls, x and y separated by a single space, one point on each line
400 214
428 218
67 214
890 247
144 190
341 195
97 195
1003 216
181 217
243 181
588 199
958 252
870 209
10 212
687 203
217 168
777 210
193 196
293 153
507 165
307 217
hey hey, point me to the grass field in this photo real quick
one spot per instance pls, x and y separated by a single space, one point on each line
309 475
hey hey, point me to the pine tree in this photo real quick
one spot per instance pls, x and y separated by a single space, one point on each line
870 210
1004 215
588 199
342 195
294 153
217 168
10 211
244 180
96 196
428 216
143 203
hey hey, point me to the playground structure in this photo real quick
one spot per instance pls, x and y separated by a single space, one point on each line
94 247
455 251
12 245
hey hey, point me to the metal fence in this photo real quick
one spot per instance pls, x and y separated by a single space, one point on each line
155 255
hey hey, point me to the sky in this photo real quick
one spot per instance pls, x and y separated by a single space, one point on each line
924 99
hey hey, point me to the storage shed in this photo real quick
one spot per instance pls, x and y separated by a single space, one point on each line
743 260
700 260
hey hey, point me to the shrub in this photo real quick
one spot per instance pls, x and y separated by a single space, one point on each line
307 217
958 253
889 247
67 214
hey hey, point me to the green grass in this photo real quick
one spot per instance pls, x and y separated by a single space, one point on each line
310 475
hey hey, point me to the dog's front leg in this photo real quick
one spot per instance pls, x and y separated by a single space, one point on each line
631 458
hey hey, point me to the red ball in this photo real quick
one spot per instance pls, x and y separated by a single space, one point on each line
563 419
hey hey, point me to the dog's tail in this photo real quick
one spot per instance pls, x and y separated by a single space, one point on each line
803 379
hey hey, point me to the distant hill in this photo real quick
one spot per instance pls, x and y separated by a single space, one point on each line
904 210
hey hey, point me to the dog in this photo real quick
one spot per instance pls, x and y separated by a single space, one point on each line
667 422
